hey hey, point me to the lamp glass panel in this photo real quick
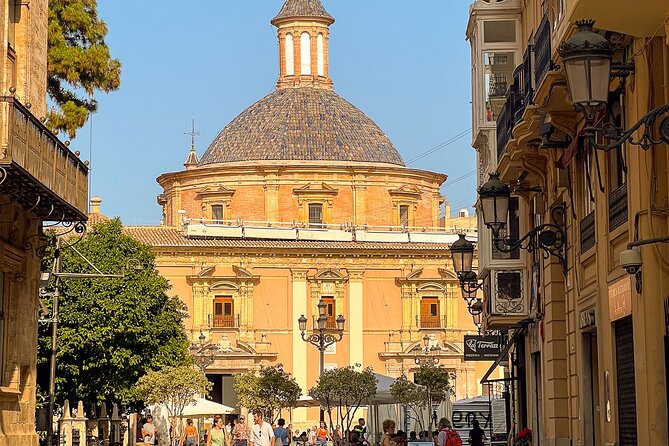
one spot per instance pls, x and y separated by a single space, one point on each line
302 322
340 323
576 70
495 210
322 322
600 72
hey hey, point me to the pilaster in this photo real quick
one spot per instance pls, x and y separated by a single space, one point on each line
299 308
355 318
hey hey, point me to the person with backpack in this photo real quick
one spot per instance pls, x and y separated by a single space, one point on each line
281 433
447 436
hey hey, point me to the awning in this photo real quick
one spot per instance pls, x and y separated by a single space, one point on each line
517 334
571 151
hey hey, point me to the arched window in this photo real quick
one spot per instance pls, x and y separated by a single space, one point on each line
305 53
290 55
320 55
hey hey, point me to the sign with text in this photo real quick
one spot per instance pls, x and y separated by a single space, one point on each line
482 348
620 299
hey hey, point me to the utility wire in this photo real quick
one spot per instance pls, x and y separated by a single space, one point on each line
440 146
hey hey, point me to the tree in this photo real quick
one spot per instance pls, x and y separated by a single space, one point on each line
78 61
344 389
174 388
434 379
270 390
111 331
411 395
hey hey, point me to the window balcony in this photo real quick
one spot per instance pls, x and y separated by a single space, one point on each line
37 170
330 323
505 299
221 321
431 322
588 233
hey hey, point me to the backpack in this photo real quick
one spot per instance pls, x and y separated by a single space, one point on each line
453 439
278 433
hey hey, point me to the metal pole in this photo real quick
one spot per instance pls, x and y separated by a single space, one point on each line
321 368
54 338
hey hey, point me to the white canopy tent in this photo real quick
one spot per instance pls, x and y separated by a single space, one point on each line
205 408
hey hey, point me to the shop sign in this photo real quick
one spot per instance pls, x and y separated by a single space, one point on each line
620 299
482 348
586 318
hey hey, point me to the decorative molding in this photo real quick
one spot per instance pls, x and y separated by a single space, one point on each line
312 189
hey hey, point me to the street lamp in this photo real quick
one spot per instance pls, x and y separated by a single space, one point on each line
203 354
587 59
462 252
550 237
477 314
426 358
321 337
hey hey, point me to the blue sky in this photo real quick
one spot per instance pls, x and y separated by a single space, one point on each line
405 64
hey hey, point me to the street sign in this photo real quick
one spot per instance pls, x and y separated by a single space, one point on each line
482 347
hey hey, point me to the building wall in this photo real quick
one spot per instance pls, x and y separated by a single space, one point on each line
575 334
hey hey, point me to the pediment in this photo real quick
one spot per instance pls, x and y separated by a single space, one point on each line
224 285
406 190
433 286
316 189
329 274
216 191
206 271
242 273
414 274
447 274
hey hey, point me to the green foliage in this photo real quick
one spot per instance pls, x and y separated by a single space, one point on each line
271 389
174 388
434 380
78 61
111 331
412 396
344 389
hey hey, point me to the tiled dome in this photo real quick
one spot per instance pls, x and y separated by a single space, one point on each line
302 124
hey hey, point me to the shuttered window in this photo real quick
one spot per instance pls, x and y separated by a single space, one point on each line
625 385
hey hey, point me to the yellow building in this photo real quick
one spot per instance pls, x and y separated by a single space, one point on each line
40 179
589 358
303 198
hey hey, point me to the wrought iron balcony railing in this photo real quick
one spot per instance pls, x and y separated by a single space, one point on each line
527 79
618 207
217 321
588 233
431 322
37 170
542 51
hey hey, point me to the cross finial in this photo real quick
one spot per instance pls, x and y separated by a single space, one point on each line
192 135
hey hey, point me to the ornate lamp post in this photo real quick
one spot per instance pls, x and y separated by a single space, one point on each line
477 314
549 237
203 353
462 251
426 358
321 337
587 59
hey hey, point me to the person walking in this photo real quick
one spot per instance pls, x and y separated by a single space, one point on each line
190 434
476 435
361 430
387 439
149 431
447 436
281 433
240 433
322 434
261 432
216 435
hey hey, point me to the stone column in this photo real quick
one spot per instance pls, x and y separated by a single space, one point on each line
355 319
299 307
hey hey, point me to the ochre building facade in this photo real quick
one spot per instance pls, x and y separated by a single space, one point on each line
588 355
303 198
40 179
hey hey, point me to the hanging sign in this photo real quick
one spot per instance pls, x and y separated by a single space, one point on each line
620 299
482 348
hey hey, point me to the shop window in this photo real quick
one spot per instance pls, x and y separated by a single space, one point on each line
315 215
429 312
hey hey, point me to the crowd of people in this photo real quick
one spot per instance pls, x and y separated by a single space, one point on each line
237 433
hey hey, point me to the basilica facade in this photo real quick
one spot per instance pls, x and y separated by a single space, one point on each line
302 198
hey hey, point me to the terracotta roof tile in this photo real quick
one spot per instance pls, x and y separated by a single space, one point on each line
171 237
303 8
303 123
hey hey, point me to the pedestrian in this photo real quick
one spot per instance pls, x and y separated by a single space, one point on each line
336 436
361 430
190 434
412 436
322 434
311 433
476 435
216 435
447 436
261 432
281 433
387 439
240 433
149 431
289 433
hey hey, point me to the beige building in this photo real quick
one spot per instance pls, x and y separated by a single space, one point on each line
303 198
40 179
589 358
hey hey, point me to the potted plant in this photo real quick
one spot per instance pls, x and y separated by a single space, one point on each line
524 438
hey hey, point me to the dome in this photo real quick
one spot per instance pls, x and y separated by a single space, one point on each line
304 123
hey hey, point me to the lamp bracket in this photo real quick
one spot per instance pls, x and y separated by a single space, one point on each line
321 339
549 237
617 136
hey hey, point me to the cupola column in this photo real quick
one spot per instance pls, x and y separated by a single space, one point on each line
303 32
